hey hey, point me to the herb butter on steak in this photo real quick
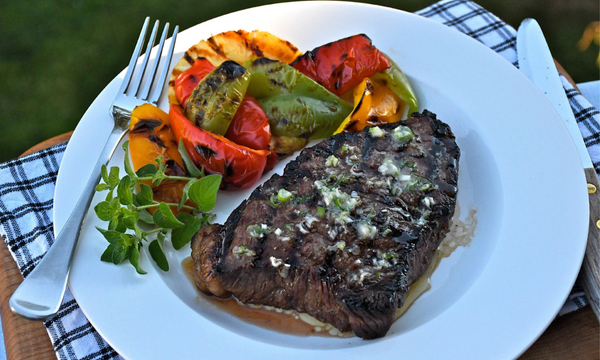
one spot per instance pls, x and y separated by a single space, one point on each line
368 212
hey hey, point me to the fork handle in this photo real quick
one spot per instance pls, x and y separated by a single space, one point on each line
39 296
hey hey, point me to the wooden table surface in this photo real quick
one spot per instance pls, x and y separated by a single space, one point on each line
572 336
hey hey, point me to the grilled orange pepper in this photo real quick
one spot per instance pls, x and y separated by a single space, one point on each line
150 136
386 106
363 97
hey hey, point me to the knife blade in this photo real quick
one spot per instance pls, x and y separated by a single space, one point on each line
536 62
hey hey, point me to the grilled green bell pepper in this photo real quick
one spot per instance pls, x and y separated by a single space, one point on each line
294 103
217 96
395 79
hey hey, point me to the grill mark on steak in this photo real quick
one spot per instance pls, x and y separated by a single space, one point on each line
387 205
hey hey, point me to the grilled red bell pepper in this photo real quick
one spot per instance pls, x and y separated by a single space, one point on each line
187 80
341 65
250 125
240 166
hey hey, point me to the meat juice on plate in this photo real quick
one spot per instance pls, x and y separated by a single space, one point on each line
301 324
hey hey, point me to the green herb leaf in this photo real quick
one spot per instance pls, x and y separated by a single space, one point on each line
139 233
159 163
113 177
130 218
119 254
124 191
127 240
113 237
107 254
158 177
158 254
127 210
104 172
109 196
127 161
116 223
145 196
146 217
185 193
204 191
106 210
183 235
134 259
164 217
101 187
189 165
147 170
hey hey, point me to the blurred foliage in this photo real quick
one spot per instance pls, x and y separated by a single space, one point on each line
590 35
57 55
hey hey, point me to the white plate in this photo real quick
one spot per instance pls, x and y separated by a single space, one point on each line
519 169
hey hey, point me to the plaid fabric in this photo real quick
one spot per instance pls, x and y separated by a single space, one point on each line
26 199
27 187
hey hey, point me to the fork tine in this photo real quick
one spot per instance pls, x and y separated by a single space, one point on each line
144 94
136 54
165 70
136 84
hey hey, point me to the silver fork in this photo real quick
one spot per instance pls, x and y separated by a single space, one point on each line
39 296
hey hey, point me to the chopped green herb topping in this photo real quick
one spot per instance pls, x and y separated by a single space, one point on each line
258 231
320 211
403 133
388 255
283 195
242 250
332 161
376 132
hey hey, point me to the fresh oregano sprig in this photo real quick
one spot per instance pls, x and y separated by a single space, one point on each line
129 222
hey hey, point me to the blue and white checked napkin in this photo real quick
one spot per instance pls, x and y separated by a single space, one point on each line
27 187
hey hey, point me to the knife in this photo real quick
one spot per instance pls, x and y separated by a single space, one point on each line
536 62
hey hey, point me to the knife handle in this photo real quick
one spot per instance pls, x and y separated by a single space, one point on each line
590 274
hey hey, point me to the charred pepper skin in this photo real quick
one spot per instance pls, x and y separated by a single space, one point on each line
240 166
151 136
341 65
217 96
249 126
187 81
295 104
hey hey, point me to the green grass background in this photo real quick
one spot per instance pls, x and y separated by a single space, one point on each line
57 55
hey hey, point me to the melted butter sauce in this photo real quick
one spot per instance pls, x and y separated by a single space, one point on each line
301 324
461 233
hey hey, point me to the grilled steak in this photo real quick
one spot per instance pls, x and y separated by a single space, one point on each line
367 213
